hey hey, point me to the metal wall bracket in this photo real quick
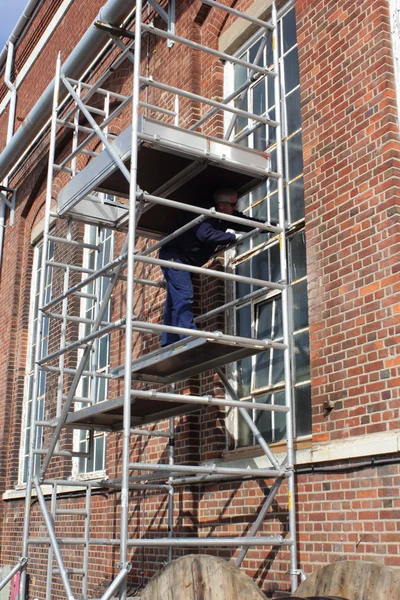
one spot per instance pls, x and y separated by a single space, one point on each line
8 195
167 17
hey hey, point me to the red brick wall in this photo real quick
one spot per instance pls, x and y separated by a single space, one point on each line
351 165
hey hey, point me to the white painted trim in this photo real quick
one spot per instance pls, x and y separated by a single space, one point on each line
17 494
395 30
38 48
374 444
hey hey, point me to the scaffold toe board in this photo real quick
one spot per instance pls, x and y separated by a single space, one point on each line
194 164
109 415
185 359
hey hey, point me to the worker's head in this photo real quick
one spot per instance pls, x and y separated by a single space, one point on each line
225 200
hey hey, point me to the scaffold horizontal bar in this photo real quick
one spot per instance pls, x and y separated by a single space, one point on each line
231 304
205 100
98 90
65 453
70 511
169 264
70 571
176 542
86 281
156 108
206 400
210 470
149 433
57 265
59 240
218 336
119 31
212 213
116 484
60 317
174 235
71 483
69 371
83 341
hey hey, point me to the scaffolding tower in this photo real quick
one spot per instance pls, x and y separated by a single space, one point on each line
135 183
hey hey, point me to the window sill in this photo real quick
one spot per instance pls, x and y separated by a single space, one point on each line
20 491
255 451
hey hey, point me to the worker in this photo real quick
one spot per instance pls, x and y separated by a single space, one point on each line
195 247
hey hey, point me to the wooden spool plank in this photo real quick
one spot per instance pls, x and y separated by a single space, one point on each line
201 577
355 580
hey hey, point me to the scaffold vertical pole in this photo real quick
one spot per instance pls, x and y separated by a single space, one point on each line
129 300
285 309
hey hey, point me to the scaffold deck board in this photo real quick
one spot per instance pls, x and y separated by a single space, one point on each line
165 151
185 359
108 415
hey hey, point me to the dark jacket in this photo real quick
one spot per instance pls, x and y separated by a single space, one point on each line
197 245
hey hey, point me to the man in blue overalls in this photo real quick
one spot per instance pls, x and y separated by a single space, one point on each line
195 247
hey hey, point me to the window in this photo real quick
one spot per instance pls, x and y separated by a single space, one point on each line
30 364
95 389
261 377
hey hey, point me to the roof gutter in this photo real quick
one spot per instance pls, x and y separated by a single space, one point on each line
20 26
114 12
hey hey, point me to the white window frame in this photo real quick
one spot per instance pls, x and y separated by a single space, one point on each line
98 285
233 419
30 359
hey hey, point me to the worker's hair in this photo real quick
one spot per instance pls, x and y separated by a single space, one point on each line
223 194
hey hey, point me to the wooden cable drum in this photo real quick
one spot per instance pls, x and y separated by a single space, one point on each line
201 577
354 580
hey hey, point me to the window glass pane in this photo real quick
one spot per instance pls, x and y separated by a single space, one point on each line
253 53
243 203
264 418
260 266
99 453
302 397
293 114
296 190
103 352
259 106
291 70
275 266
295 155
243 288
300 305
279 417
289 30
101 389
260 138
263 376
245 437
277 364
240 78
298 267
243 327
274 208
302 356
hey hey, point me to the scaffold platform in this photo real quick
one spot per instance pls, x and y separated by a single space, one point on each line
185 359
185 165
109 415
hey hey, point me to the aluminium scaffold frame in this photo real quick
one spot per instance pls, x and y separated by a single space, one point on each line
149 476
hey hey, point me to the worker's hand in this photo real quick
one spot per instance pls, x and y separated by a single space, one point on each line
238 236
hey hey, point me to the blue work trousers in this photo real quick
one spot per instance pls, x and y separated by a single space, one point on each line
178 311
